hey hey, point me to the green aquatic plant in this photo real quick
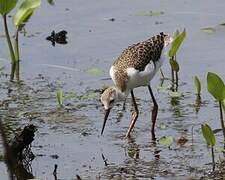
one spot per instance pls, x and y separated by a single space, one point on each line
197 86
198 100
60 97
178 40
216 88
166 141
210 140
22 15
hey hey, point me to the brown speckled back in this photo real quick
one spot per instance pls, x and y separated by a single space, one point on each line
140 54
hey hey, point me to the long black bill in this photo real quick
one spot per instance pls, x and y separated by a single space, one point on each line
105 119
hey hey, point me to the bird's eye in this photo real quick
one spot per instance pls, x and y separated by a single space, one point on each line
111 101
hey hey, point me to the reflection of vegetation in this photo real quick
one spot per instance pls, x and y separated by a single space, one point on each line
210 140
216 88
22 15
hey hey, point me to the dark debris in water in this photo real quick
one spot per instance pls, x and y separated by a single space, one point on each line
59 38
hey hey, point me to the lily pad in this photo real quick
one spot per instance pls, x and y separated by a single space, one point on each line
209 30
95 71
151 13
166 140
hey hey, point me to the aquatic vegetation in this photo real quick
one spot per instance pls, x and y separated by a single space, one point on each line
210 140
94 71
21 17
197 86
216 88
60 97
198 100
166 140
178 40
151 13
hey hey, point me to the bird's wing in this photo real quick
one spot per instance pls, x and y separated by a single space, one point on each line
140 54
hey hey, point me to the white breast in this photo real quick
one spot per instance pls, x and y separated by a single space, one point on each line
138 78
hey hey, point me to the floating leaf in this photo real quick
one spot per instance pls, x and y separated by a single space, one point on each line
197 85
60 97
95 71
175 94
162 126
209 30
174 64
71 95
25 11
216 86
176 43
150 13
166 140
208 134
7 5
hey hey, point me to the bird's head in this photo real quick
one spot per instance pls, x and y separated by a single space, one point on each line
168 39
108 98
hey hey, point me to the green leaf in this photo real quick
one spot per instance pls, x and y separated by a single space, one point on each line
176 43
60 97
174 64
166 140
95 71
6 6
25 11
216 86
208 134
175 94
197 85
150 13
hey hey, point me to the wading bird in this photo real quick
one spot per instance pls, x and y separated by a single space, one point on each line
136 67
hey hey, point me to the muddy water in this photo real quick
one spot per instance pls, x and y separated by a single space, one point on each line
71 137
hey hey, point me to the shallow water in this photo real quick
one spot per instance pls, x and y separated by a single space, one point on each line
71 138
